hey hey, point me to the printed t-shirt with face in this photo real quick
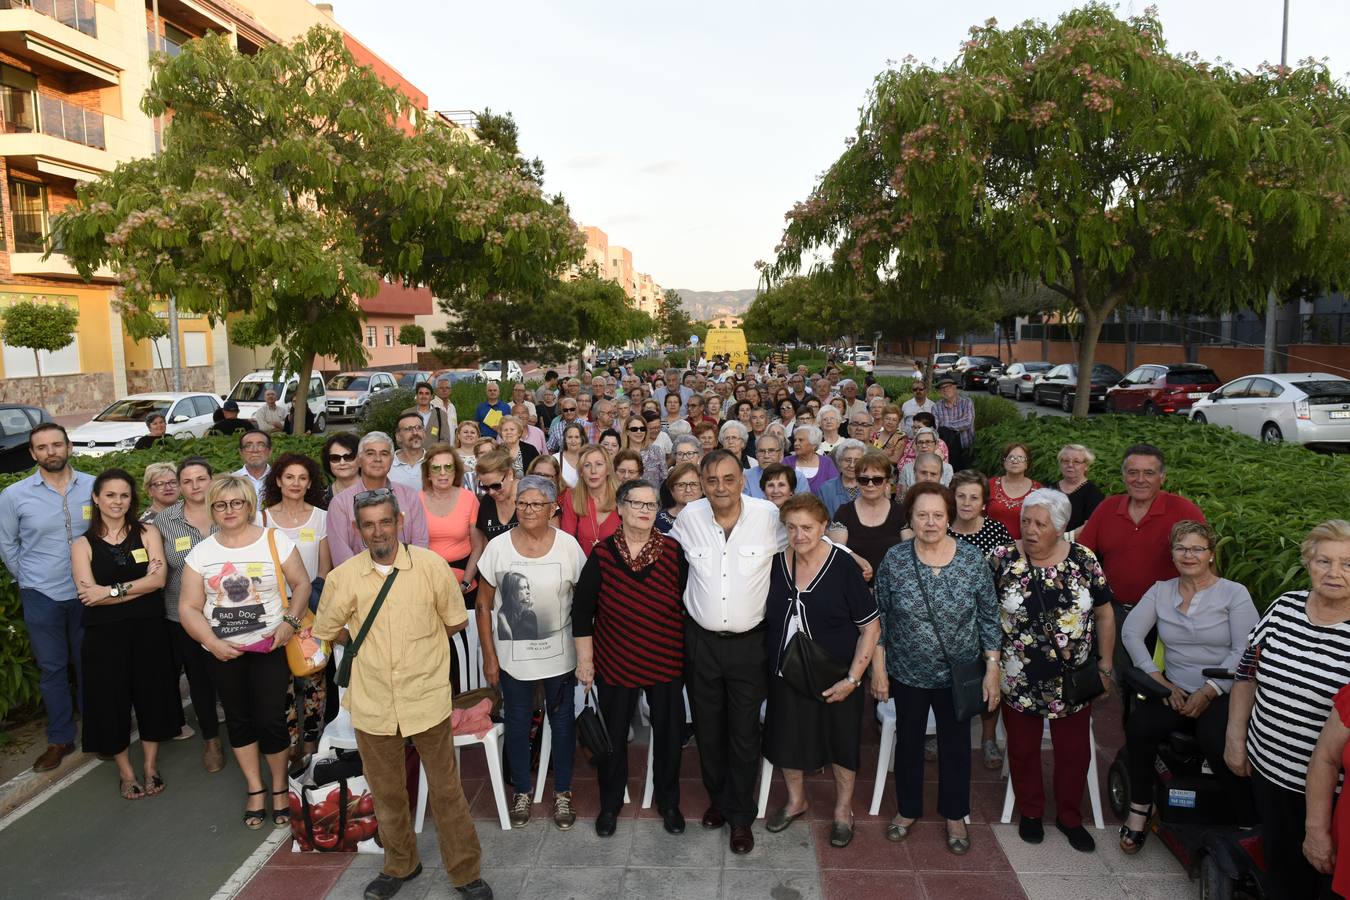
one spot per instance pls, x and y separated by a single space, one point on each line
532 605
243 598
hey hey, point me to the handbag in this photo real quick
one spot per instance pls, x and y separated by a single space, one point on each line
305 654
344 672
591 730
967 677
805 665
332 809
1081 683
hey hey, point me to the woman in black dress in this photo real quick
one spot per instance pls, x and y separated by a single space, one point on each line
874 521
816 584
128 660
1084 495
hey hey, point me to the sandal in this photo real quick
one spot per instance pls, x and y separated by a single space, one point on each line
254 818
993 755
153 784
130 789
1131 842
282 817
897 831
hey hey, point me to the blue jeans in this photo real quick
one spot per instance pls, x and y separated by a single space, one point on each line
56 631
518 709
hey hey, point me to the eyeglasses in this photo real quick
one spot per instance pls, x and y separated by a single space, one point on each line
532 506
253 447
342 457
1015 457
686 485
861 424
871 480
161 485
643 505
222 505
491 488
442 468
686 454
1182 550
569 409
925 441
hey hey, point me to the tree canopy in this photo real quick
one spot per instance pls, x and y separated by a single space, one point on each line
1083 156
39 326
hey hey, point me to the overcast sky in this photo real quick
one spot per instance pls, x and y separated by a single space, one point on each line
686 130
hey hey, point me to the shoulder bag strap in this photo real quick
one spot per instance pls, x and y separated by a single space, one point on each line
282 586
355 646
932 619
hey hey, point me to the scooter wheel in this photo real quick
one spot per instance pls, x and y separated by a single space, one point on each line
1118 789
1214 882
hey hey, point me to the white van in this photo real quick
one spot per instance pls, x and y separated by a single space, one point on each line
251 393
864 358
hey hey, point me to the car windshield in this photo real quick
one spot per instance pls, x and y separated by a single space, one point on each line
409 379
349 383
1105 373
944 358
1192 376
254 391
133 409
492 364
1035 367
983 360
1326 391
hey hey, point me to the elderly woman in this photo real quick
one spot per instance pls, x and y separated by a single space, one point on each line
338 459
638 436
573 439
160 482
921 421
971 490
1007 491
706 432
511 430
815 468
633 584
452 514
589 510
1084 495
924 467
685 448
243 608
672 406
938 608
610 442
777 483
829 421
525 627
1056 613
733 437
684 486
1299 657
817 589
844 488
891 438
787 413
1202 622
872 519
627 466
127 655
497 496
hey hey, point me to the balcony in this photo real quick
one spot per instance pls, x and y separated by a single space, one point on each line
53 155
55 266
60 34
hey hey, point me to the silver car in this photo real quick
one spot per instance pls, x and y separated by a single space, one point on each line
1302 408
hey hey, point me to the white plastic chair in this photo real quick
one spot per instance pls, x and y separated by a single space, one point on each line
467 648
1094 789
649 788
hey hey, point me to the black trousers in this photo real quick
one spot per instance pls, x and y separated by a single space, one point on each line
728 681
1282 814
191 657
953 740
254 689
128 665
617 705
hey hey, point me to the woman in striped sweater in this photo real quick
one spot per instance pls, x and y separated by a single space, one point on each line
627 618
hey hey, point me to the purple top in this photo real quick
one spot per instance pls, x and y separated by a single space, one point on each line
344 541
826 472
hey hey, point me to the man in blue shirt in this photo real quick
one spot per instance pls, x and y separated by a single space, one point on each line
487 422
39 518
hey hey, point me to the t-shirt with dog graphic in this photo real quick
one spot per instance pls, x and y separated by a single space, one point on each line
244 602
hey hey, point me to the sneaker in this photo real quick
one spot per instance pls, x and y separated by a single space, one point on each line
563 816
520 810
930 749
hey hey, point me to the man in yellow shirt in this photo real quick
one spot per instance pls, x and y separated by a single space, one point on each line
400 688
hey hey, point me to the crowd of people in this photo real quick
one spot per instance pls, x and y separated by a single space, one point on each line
752 550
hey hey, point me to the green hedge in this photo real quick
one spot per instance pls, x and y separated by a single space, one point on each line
1261 500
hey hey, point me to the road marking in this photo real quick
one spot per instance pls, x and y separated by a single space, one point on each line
251 866
46 794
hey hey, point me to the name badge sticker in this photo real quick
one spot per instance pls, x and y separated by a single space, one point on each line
183 543
306 535
254 570
87 512
140 555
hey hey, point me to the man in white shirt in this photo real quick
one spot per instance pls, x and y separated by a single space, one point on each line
848 389
729 541
270 417
255 448
442 401
916 404
407 466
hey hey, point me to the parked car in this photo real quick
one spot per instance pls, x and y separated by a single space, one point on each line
973 373
349 392
411 380
942 363
16 423
1303 408
118 427
1060 385
1019 379
455 376
864 358
251 393
492 371
1157 389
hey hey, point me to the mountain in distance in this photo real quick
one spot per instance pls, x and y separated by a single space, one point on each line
703 305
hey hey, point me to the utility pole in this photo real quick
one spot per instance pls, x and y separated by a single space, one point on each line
175 360
1269 356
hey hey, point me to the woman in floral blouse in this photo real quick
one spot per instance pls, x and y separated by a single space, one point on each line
1050 590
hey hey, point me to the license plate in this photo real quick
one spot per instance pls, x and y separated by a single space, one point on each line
1339 414
1195 396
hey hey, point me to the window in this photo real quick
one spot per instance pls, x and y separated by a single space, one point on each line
13 421
78 14
16 100
316 387
194 348
1263 389
370 335
71 122
204 406
389 335
28 206
19 361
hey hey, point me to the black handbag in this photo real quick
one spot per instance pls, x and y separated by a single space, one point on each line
591 730
805 665
1081 683
967 677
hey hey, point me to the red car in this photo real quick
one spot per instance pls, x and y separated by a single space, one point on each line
1161 389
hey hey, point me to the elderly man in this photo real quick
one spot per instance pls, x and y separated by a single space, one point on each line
1131 533
730 541
861 426
402 604
375 455
602 414
924 467
956 421
407 465
797 386
270 417
488 413
156 427
585 402
255 449
40 515
443 402
567 414
533 435
519 395
768 450
848 389
917 404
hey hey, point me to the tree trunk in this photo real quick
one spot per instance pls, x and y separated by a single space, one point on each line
164 373
42 390
300 402
1091 329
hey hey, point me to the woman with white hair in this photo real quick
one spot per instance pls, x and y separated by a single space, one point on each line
1084 495
810 464
733 437
829 422
685 448
1055 608
844 489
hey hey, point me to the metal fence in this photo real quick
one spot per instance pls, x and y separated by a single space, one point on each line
1315 328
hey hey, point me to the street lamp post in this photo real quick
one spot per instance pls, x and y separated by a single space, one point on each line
1269 355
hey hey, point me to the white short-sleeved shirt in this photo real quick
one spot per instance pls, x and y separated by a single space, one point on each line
532 606
244 601
306 539
729 576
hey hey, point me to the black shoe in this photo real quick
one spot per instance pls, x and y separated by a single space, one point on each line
476 890
385 886
1030 830
673 820
605 823
1079 839
713 818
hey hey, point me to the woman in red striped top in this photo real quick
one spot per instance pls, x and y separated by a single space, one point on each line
628 621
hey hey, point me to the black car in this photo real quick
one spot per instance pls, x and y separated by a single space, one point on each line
974 373
1060 385
16 422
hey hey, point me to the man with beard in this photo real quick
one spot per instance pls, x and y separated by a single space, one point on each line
39 518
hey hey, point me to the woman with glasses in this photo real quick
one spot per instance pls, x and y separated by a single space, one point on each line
829 420
1084 495
891 438
843 489
627 466
873 520
511 429
628 619
160 482
733 437
339 463
1007 491
452 513
686 448
787 412
234 600
922 420
497 496
569 457
637 437
684 487
589 510
525 626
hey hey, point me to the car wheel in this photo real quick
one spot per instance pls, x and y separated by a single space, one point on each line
1150 409
1037 398
1199 418
321 424
1271 434
1066 402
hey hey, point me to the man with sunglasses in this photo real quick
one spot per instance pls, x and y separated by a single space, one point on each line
376 455
567 414
920 402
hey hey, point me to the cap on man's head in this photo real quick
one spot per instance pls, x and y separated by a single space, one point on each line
945 380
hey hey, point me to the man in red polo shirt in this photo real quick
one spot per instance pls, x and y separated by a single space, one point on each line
1131 533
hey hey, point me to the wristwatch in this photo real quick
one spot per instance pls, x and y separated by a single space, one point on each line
291 621
115 590
856 682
